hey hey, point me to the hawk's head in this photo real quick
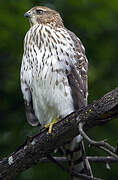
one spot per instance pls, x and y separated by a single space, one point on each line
43 15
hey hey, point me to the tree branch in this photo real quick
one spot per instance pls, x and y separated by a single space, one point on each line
100 144
102 159
76 174
37 147
98 159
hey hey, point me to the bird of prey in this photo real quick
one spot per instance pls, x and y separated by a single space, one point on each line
54 79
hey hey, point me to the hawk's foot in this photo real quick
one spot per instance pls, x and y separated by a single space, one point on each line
50 125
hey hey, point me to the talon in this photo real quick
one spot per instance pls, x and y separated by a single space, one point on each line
50 125
47 125
50 128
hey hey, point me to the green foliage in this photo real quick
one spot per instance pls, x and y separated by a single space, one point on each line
96 23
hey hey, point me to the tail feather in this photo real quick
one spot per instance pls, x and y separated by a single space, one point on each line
76 156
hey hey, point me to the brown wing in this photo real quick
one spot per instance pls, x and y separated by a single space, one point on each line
77 77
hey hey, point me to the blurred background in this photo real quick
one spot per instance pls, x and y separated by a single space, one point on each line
95 22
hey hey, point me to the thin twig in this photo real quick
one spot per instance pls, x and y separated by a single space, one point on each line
108 166
101 159
73 173
108 151
96 159
58 159
54 160
100 144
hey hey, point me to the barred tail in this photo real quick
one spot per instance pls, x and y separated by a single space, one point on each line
75 153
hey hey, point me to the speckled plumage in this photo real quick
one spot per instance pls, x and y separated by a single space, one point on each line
54 68
52 54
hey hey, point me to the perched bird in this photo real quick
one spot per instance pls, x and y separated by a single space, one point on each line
54 79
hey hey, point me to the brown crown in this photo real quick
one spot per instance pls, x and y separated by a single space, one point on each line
44 15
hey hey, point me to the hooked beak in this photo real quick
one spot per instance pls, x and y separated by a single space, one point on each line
27 15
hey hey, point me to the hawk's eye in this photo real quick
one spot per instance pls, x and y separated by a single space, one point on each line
39 11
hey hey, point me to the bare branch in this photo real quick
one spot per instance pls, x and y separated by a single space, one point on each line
98 159
74 173
100 144
108 166
58 159
37 147
102 159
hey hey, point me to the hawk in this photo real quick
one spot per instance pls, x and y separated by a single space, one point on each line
54 79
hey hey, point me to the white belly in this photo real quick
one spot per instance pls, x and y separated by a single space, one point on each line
45 69
51 98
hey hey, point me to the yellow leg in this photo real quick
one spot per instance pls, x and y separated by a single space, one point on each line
50 125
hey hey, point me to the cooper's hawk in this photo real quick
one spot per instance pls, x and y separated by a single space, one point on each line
54 70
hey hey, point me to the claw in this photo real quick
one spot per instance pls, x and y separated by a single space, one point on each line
50 125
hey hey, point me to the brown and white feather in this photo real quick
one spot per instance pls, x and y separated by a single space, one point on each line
54 68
